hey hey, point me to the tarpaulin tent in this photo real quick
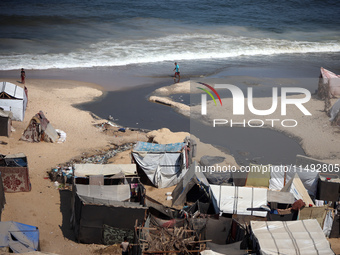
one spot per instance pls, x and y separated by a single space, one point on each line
190 179
40 129
19 237
331 81
237 200
301 237
163 164
281 175
13 98
105 208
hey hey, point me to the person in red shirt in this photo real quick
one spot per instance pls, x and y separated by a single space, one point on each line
23 76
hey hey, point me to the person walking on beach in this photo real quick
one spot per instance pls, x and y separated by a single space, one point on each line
177 72
23 76
125 245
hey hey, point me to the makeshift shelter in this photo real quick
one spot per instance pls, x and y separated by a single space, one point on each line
14 173
191 179
296 187
218 230
19 237
329 82
237 200
105 207
14 99
163 164
5 122
303 237
40 129
86 170
281 175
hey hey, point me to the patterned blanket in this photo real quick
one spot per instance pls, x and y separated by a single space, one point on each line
15 179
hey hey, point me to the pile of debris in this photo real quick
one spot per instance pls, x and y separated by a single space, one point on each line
157 239
62 174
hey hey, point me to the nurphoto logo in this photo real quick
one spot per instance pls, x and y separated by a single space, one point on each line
239 101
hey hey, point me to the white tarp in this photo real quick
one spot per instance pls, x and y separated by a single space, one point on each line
279 174
104 192
85 170
17 105
303 237
328 223
164 169
236 200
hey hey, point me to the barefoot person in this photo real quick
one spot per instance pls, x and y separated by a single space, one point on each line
23 75
177 72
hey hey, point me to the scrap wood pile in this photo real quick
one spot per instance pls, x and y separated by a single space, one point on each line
176 240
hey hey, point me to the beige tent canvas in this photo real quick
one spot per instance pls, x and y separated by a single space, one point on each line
296 187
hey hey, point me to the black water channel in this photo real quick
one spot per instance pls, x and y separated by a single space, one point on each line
130 108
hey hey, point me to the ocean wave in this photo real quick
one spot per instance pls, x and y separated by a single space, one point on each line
167 48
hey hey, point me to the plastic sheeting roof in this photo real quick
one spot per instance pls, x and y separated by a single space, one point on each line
163 169
153 147
303 237
21 238
190 178
85 170
12 90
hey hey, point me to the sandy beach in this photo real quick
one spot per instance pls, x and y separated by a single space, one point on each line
45 206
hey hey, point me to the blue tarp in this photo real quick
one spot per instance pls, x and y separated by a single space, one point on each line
19 237
154 147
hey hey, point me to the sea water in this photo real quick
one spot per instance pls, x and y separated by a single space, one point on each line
102 33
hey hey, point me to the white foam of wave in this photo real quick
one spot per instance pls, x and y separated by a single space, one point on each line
168 48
